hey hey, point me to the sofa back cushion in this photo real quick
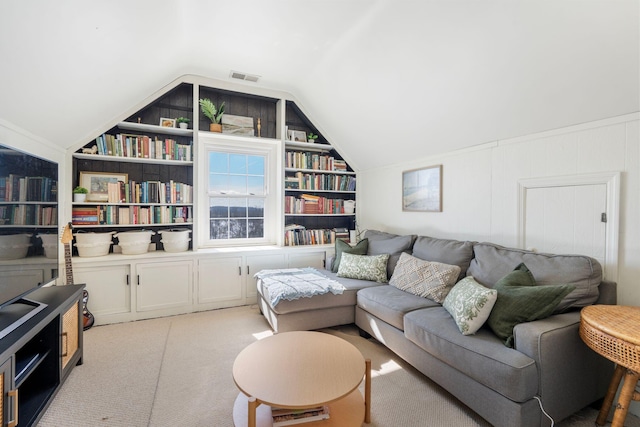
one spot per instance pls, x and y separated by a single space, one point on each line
387 243
452 252
492 262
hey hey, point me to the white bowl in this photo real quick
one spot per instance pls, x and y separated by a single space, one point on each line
50 244
93 249
176 245
90 238
134 236
174 235
14 246
134 247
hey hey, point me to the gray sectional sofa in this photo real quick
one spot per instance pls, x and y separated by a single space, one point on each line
548 367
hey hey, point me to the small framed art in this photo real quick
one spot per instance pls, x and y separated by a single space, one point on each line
97 184
422 189
167 123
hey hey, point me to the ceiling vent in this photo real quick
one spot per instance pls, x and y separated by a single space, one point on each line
244 76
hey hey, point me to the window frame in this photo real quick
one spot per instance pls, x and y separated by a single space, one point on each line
271 150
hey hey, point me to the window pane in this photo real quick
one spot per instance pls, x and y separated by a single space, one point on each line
238 163
256 228
255 208
238 208
256 185
218 208
255 165
218 162
219 229
237 229
219 183
238 184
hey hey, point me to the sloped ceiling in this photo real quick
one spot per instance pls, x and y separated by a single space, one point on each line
385 81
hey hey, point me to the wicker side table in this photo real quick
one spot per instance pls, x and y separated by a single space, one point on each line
614 332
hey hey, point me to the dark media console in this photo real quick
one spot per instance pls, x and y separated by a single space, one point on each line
37 355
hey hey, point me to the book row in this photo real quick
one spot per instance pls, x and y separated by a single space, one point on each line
317 206
29 215
306 160
127 215
149 192
142 147
285 417
330 182
17 188
301 237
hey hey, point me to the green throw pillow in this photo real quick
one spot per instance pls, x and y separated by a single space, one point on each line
343 247
364 267
521 300
470 304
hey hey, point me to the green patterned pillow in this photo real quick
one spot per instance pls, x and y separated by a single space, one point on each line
426 279
364 267
343 247
470 304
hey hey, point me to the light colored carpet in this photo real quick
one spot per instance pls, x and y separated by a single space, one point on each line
176 371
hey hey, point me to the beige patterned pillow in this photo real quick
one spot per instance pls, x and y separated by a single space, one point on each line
427 279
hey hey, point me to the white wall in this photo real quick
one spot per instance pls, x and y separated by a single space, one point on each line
480 188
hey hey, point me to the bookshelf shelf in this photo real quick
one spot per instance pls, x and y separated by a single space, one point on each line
142 127
131 159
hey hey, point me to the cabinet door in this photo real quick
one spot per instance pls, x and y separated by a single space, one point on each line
256 263
307 259
219 279
8 399
109 291
164 285
70 334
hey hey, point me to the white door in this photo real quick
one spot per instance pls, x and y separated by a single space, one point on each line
572 215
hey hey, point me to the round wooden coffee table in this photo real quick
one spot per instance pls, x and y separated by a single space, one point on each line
613 331
300 370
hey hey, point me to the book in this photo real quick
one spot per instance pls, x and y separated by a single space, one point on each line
287 417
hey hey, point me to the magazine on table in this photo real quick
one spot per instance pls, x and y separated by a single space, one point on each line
286 417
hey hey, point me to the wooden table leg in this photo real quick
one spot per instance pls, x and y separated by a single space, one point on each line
611 394
626 394
251 418
367 391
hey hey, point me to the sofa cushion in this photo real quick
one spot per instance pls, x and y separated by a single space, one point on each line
493 262
364 267
390 304
470 304
343 247
520 300
482 357
387 243
426 279
454 252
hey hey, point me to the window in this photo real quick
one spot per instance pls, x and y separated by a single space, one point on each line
240 206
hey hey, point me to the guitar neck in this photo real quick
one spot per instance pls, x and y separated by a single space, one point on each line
67 263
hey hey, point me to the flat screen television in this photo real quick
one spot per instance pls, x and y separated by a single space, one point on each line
28 233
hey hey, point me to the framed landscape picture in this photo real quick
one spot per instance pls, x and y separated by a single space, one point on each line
97 184
422 189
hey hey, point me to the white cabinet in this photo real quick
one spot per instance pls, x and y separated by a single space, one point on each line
256 263
109 291
165 285
220 281
307 259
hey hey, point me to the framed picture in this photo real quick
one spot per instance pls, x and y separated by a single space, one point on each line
422 189
167 123
297 135
96 183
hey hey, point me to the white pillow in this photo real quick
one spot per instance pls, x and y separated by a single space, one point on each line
426 279
470 304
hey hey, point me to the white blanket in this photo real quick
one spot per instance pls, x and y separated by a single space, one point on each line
295 283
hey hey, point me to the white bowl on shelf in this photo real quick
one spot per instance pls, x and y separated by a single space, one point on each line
14 246
86 250
90 237
134 242
50 244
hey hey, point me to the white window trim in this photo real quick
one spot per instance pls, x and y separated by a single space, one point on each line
272 150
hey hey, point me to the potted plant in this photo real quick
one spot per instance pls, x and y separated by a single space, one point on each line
80 194
212 113
183 122
312 137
